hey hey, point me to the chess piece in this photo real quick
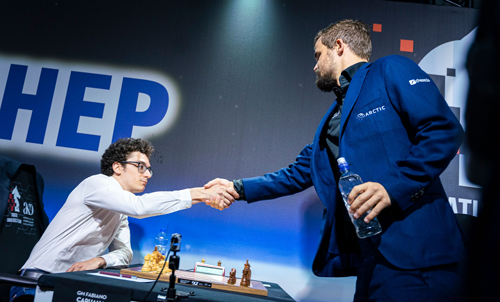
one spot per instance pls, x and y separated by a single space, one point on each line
247 265
146 267
147 263
219 263
232 277
245 281
202 260
164 266
154 262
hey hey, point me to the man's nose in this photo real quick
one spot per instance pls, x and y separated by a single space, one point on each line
315 67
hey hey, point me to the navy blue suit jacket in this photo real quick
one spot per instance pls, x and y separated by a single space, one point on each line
397 130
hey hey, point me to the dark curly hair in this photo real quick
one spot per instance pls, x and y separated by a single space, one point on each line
121 149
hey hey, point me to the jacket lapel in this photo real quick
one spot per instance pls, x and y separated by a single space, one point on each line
352 96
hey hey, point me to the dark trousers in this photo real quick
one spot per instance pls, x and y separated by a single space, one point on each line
378 280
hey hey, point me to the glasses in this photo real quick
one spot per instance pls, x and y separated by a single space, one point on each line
140 166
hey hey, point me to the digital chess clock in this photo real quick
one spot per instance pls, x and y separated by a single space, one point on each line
209 269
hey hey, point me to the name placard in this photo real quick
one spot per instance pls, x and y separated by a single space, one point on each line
78 291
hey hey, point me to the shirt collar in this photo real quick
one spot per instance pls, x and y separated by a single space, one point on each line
345 78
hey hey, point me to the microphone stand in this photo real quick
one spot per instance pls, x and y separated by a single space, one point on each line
172 295
173 264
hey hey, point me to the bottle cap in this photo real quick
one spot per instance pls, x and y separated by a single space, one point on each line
343 165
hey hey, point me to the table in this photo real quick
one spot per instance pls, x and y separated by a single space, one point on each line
139 290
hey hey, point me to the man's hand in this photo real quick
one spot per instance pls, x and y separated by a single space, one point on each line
219 203
214 194
91 264
369 195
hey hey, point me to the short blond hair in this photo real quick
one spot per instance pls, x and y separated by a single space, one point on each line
355 34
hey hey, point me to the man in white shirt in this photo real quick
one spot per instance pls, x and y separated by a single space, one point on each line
94 217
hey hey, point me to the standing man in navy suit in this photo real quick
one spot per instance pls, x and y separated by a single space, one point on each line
397 132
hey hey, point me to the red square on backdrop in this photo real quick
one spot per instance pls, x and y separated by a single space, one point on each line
377 27
406 45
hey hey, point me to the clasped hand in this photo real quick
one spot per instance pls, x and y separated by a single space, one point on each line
224 200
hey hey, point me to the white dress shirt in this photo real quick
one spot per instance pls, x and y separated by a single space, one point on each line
94 218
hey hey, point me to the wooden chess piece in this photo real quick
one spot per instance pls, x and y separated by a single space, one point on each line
202 260
232 277
247 265
146 267
245 281
219 263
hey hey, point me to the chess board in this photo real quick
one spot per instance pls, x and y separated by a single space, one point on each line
204 280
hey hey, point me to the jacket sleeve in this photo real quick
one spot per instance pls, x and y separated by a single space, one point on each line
292 179
433 129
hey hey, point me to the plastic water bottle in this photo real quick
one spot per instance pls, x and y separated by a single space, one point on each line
349 180
161 241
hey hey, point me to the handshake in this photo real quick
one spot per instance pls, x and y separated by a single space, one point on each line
218 193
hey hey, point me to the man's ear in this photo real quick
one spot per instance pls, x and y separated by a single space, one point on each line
117 168
339 47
